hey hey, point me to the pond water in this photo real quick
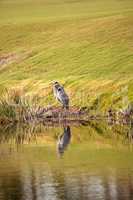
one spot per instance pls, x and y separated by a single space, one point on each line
66 162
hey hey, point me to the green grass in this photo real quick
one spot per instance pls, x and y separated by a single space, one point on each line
86 45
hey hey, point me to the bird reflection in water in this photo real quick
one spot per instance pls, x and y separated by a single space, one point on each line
64 140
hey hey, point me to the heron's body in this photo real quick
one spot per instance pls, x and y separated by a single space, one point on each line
61 95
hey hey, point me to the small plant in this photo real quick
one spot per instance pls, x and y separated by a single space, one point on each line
15 106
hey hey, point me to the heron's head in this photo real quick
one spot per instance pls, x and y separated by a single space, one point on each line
55 82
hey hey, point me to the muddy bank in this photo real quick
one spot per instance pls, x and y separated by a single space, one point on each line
56 115
41 114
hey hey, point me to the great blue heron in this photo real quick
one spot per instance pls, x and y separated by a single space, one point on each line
61 95
64 140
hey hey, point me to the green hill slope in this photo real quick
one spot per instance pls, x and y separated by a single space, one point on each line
86 45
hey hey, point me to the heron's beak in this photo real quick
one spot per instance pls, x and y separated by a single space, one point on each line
52 82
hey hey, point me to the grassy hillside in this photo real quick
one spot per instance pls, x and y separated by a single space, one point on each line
86 45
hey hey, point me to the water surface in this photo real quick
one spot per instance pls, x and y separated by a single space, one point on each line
66 162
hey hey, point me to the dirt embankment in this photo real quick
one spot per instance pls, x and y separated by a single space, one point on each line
9 58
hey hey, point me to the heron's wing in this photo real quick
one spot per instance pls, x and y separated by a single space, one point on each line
63 98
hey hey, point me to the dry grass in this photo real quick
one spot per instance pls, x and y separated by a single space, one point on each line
85 45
